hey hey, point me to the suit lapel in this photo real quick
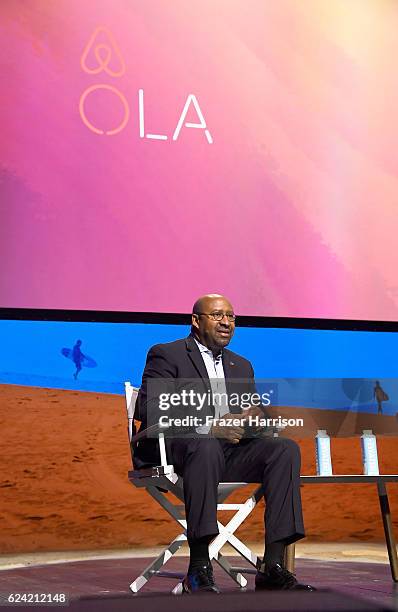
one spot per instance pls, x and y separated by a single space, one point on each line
196 357
229 370
228 364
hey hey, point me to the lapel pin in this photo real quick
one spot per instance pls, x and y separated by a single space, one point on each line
231 363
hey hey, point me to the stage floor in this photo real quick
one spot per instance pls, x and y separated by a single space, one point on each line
100 578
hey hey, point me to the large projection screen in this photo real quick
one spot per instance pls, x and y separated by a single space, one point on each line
152 151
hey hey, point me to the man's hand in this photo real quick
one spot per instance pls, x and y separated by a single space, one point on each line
232 433
253 411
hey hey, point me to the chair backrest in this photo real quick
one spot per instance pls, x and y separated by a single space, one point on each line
131 394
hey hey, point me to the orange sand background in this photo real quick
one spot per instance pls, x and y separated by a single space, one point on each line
64 486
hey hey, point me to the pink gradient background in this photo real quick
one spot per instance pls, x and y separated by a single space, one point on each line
292 211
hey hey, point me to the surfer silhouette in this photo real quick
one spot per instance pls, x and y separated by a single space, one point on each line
79 359
380 396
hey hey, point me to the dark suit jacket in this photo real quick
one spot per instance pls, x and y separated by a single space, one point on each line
182 360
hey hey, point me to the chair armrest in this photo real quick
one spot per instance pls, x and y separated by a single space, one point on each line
153 429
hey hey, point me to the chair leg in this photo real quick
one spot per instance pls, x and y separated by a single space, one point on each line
237 576
155 565
177 589
290 553
167 505
388 530
227 531
244 551
226 535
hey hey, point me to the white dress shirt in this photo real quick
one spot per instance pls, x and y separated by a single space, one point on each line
215 372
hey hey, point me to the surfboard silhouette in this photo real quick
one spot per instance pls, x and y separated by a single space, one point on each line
86 361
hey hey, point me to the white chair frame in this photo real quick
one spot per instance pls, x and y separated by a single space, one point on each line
162 479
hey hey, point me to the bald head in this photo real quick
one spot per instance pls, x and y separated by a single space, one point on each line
208 331
207 301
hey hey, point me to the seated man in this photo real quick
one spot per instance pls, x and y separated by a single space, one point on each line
223 454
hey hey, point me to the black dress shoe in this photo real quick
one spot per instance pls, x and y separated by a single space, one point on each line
276 578
200 580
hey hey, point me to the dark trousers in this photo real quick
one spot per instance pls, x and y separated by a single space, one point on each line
272 462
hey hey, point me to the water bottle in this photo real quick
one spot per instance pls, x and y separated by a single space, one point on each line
323 457
369 453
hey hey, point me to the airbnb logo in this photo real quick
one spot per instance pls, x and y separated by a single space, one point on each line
102 54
